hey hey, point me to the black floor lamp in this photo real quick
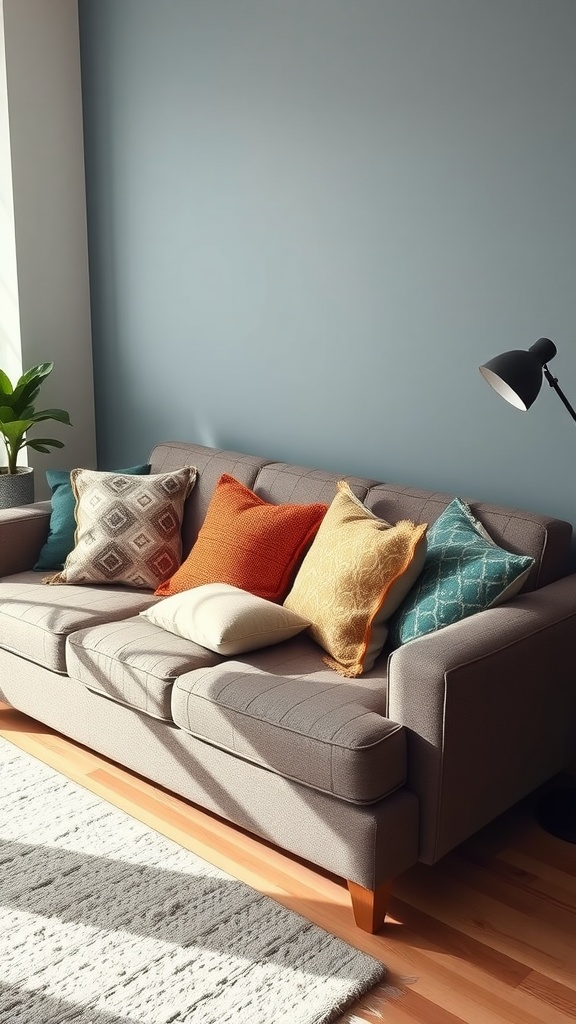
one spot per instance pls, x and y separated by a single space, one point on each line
517 376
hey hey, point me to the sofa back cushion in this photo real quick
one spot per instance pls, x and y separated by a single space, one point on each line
284 482
543 537
211 464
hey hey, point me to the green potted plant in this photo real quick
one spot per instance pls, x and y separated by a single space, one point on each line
17 416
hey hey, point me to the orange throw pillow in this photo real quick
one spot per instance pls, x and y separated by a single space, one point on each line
247 542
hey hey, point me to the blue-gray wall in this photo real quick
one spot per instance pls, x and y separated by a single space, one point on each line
311 220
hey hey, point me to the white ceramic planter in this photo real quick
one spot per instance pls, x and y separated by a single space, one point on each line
16 488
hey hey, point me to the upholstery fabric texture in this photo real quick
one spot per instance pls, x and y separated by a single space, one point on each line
134 662
35 620
485 676
464 572
60 540
23 530
247 542
128 527
357 571
315 733
225 619
369 843
284 482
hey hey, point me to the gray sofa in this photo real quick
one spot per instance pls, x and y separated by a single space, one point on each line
363 777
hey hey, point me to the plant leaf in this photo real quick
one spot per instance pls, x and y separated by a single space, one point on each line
52 414
39 444
30 382
37 447
17 413
23 399
5 384
15 430
35 373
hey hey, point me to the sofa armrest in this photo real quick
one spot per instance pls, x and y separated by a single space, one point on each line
489 705
23 530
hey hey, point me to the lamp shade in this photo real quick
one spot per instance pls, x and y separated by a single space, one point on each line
517 375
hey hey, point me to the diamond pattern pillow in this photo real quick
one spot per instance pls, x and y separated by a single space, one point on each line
60 540
464 572
127 527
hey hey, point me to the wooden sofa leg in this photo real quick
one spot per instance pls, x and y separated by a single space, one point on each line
369 906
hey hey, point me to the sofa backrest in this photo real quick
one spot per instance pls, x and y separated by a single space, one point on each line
545 538
211 463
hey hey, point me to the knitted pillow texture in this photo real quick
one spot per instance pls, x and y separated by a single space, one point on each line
247 542
128 527
464 572
353 578
60 540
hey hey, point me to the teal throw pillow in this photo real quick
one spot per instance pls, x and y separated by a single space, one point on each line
60 540
464 572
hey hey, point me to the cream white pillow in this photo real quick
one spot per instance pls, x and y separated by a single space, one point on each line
225 619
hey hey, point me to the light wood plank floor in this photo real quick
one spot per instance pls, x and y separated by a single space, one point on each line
486 936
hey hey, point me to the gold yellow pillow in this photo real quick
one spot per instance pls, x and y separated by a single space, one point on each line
356 573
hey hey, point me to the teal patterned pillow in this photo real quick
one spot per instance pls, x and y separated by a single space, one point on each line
464 572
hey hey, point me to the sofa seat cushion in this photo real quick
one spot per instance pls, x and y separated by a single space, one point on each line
303 725
35 620
134 662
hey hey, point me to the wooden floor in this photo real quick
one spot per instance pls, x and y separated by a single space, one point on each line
487 935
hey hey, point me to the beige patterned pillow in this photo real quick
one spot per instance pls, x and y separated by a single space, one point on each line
127 527
357 571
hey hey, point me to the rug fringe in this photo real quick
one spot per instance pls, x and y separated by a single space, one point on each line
386 991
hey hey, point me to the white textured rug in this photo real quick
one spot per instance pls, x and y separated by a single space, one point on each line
104 921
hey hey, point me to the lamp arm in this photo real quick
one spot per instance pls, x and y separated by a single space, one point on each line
553 382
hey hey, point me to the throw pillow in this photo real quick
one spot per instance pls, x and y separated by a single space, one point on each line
247 542
354 576
128 527
225 619
60 540
464 572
